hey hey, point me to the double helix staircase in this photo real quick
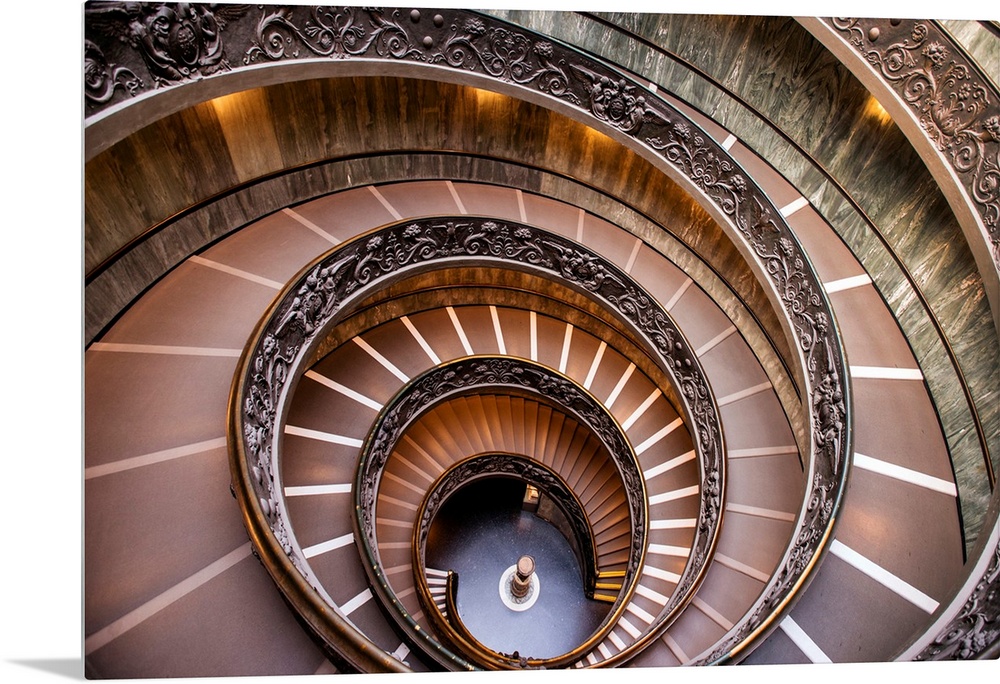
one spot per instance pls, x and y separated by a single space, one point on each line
177 572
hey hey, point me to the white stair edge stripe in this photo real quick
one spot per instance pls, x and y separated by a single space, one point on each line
385 203
345 391
404 483
886 373
154 457
671 496
673 524
793 207
595 365
412 443
239 273
616 640
677 295
669 465
905 474
520 206
463 338
758 512
884 577
633 256
579 225
106 635
652 595
501 345
743 568
728 143
401 652
533 332
399 502
316 490
613 397
663 432
330 545
641 409
454 195
633 631
640 613
715 341
804 643
382 361
322 436
763 451
669 550
713 615
421 341
567 342
675 648
849 283
170 350
356 602
661 574
412 466
326 668
743 394
311 226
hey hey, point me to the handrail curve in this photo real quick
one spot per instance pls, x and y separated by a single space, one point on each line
470 43
323 293
525 469
493 374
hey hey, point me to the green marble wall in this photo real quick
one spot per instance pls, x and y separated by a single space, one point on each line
839 148
236 160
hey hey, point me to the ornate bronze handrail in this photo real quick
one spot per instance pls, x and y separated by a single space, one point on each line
492 374
532 472
324 292
486 50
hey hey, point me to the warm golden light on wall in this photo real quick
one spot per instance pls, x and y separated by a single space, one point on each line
227 105
874 109
487 97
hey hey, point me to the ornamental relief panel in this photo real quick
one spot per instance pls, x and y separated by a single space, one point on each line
957 107
977 624
166 44
170 43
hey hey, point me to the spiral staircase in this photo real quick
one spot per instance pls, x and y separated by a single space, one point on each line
728 315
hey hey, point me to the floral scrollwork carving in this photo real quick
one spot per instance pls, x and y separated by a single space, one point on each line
977 624
495 49
498 374
177 41
505 54
955 106
101 79
331 32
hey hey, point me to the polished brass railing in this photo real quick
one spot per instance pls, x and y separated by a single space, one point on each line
326 292
486 51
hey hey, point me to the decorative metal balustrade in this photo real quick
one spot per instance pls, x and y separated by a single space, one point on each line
324 293
484 51
127 57
491 375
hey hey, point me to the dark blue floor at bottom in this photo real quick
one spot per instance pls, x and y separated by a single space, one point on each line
479 534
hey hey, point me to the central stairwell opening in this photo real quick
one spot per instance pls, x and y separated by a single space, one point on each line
479 533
